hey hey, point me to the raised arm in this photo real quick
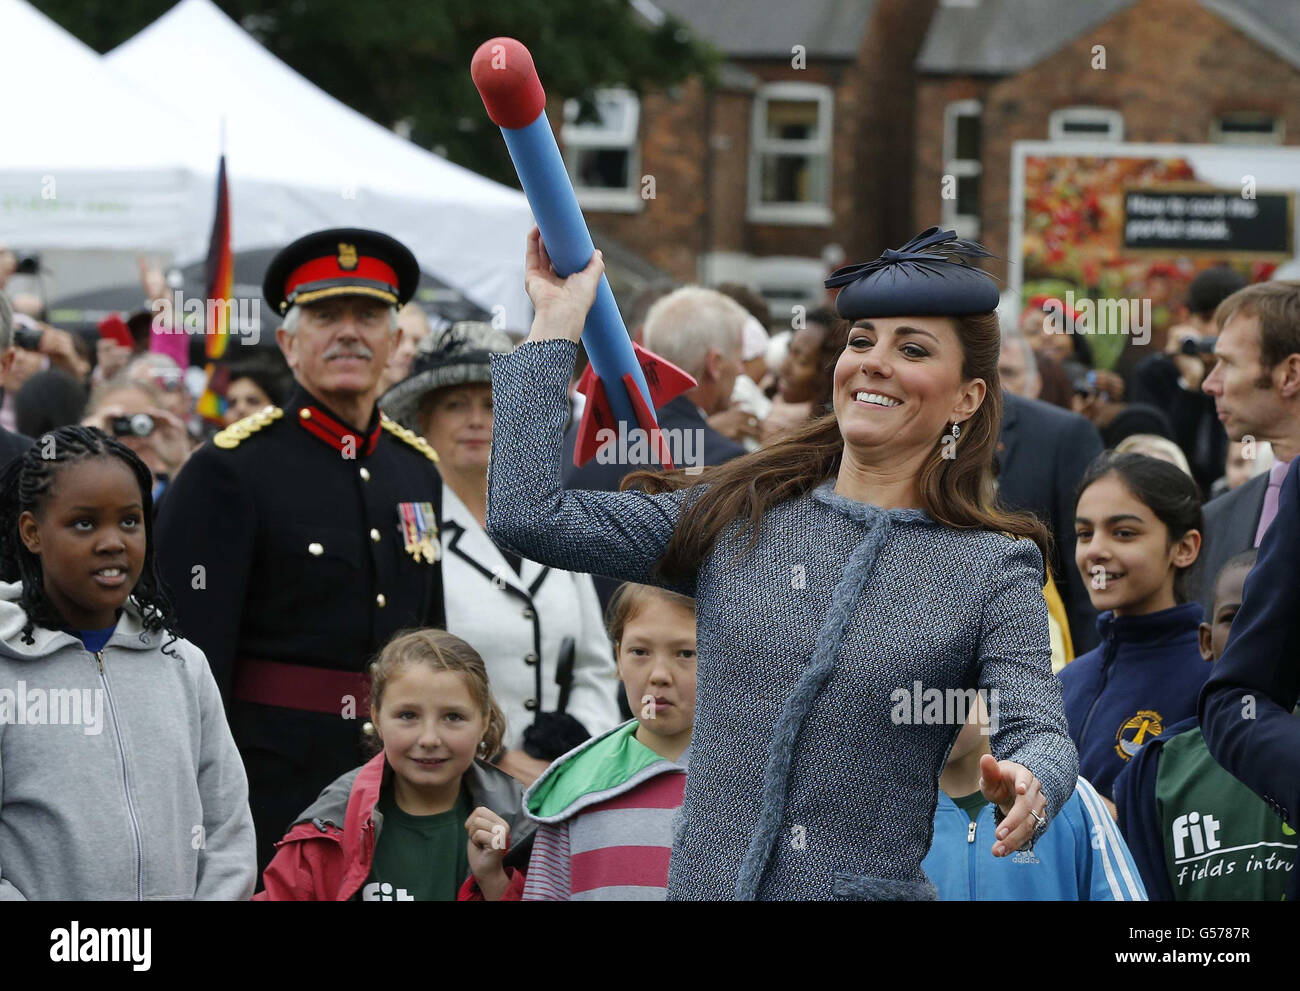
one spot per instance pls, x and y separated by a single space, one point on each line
619 534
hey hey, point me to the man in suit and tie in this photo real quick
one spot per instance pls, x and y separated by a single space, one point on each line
1042 453
1256 389
1246 705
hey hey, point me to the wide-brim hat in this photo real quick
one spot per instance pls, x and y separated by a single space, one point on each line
926 277
342 261
458 355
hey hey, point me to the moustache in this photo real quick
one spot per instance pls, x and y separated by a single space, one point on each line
363 352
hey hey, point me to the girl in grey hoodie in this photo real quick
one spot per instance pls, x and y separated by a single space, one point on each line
118 775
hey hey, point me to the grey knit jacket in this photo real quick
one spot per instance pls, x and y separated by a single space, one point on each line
807 781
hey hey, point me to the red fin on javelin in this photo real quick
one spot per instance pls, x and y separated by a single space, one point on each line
666 382
646 420
596 416
665 379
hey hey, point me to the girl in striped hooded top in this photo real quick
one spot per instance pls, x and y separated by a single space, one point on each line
605 809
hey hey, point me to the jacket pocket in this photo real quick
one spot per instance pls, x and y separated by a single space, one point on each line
858 887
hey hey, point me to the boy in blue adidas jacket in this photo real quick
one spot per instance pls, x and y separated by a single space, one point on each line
1080 857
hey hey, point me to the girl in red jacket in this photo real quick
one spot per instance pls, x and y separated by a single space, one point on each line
394 829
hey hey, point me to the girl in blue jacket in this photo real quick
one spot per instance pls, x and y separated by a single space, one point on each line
1138 528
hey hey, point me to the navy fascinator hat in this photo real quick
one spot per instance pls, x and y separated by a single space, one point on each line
926 277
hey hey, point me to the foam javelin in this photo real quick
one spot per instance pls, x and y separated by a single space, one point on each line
623 382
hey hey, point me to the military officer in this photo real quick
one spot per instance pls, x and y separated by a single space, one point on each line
301 538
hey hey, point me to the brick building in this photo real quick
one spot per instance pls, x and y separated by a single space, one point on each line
833 123
769 176
993 72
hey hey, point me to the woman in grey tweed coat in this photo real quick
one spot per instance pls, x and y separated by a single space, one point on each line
837 575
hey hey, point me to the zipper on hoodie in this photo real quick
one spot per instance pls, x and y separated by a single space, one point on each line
126 781
1107 659
970 856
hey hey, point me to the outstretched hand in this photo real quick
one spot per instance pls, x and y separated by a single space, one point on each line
561 305
1012 788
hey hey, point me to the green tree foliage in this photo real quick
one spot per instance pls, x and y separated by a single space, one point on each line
409 60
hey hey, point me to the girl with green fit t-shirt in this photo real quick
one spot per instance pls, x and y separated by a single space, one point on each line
391 830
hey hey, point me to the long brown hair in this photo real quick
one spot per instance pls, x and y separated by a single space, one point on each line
956 491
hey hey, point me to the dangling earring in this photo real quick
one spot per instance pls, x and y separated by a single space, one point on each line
956 430
482 746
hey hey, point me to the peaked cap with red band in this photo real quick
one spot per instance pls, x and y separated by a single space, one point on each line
343 261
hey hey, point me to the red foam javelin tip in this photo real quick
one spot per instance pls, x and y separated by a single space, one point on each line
506 79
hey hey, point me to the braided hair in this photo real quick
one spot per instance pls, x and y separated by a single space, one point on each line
26 485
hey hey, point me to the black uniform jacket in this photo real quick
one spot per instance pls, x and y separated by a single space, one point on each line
283 545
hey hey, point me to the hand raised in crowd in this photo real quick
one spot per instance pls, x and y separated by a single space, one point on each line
152 280
57 345
489 839
561 305
735 422
1012 788
110 358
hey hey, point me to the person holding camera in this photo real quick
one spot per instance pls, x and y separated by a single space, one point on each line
11 444
134 413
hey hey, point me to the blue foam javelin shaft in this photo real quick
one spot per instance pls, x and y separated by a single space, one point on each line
546 183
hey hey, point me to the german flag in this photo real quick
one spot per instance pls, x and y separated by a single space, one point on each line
221 287
220 267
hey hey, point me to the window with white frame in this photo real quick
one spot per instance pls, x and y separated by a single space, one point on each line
602 155
1246 128
1085 124
962 126
790 161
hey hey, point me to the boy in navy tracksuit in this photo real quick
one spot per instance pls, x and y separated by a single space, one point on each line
1196 832
1137 525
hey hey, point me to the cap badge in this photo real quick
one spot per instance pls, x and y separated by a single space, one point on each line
347 256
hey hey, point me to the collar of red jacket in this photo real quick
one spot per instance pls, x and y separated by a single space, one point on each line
358 825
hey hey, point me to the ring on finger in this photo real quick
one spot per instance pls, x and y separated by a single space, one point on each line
1037 817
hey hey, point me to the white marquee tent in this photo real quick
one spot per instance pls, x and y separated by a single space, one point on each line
86 159
134 137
